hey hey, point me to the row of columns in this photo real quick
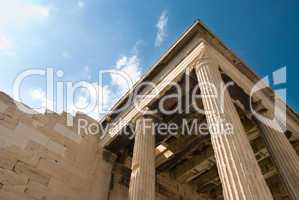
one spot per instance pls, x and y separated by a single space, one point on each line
238 168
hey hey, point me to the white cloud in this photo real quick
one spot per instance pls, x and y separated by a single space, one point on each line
80 4
161 28
101 98
128 72
18 11
40 95
105 95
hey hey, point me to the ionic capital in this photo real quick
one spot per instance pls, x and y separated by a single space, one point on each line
205 57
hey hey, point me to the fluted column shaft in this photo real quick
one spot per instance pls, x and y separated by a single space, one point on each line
283 155
238 169
142 183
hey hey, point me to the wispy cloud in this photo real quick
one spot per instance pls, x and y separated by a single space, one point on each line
161 28
18 11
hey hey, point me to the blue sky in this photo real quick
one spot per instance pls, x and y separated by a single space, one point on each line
82 37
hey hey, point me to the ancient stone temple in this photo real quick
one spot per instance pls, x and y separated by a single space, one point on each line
254 158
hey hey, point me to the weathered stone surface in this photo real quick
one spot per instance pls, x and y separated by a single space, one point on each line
8 177
66 132
8 120
9 195
3 106
32 173
7 160
36 190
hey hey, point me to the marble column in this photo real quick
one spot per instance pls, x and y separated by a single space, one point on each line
142 183
283 156
238 169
